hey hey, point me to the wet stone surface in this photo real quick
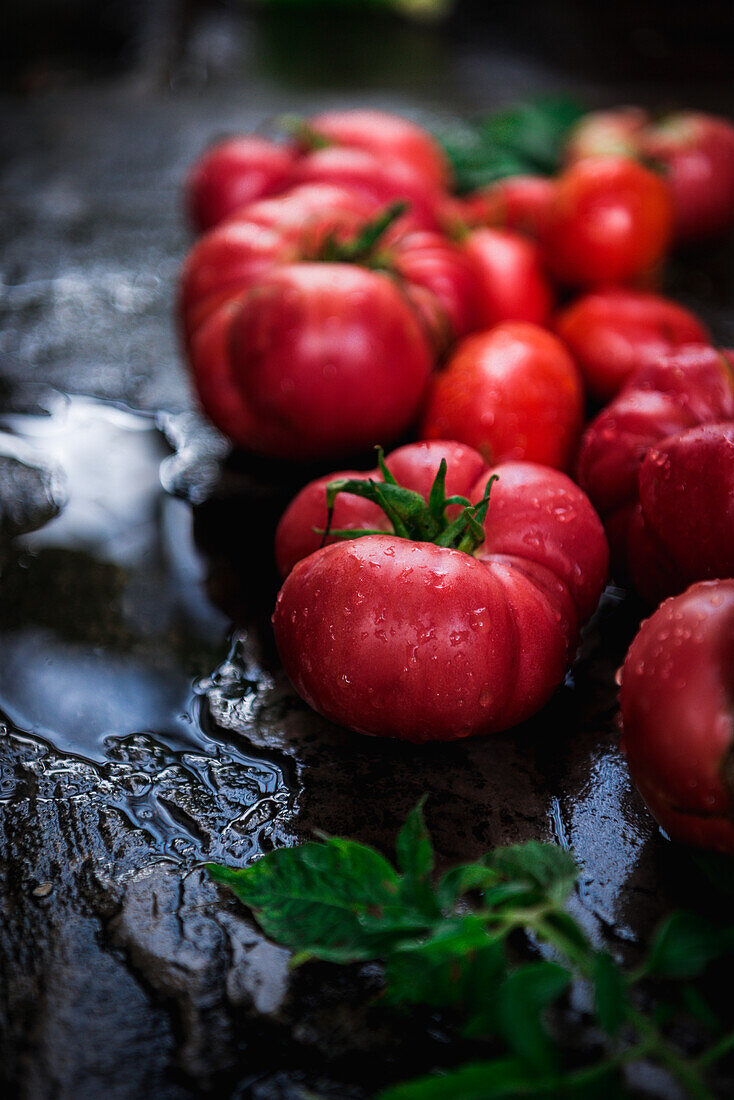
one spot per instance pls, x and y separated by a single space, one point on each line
146 724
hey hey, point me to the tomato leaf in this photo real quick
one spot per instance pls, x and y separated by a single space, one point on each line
610 993
521 999
413 845
544 867
683 947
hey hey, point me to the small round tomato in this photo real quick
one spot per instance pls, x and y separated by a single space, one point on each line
697 151
233 173
520 203
388 136
511 283
331 356
677 705
610 222
611 333
460 625
614 133
512 392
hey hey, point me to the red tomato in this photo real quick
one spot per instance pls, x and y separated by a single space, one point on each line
404 638
513 392
305 205
611 333
388 136
678 718
664 399
697 151
326 359
614 133
234 173
511 283
520 203
375 178
609 222
437 272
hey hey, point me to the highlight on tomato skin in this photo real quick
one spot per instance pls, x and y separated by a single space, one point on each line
423 639
511 392
610 221
613 332
677 708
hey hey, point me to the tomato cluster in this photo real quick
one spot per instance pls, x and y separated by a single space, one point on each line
342 295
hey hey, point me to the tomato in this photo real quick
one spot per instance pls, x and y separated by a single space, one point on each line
611 333
233 173
512 392
380 180
613 133
610 222
405 637
642 429
511 283
305 206
436 273
388 136
326 358
677 704
520 203
697 151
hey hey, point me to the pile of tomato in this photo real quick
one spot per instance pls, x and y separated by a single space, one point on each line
342 296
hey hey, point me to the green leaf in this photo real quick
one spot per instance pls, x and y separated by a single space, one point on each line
521 999
413 846
546 867
476 1081
335 900
610 993
683 947
463 879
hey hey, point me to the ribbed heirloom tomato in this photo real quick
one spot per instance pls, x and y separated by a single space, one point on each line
677 704
432 625
513 392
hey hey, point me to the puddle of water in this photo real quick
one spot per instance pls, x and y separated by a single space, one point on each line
106 631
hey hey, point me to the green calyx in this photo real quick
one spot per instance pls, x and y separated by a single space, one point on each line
364 247
410 515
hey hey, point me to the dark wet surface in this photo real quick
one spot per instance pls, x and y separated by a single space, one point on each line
147 724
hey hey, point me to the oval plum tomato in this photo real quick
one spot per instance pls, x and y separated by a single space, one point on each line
380 180
385 135
425 634
511 283
232 174
677 704
327 358
513 392
610 222
611 333
697 151
520 203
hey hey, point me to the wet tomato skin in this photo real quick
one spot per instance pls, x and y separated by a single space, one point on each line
511 284
613 332
331 356
610 222
232 174
512 392
407 639
413 466
677 707
386 135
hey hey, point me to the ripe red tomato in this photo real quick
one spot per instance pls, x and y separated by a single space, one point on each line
643 428
611 333
305 206
678 719
511 283
388 136
326 358
697 151
609 222
403 637
520 203
375 178
233 173
613 133
512 392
